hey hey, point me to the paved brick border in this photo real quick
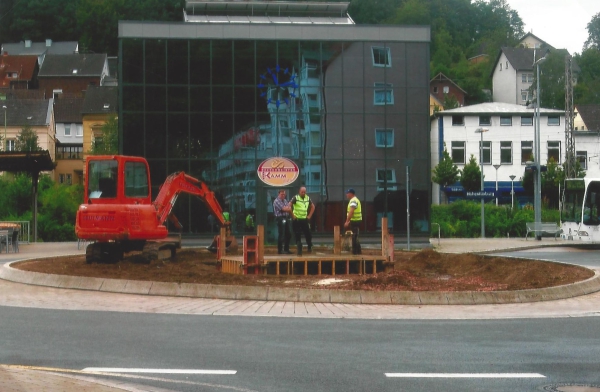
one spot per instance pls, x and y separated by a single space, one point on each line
256 293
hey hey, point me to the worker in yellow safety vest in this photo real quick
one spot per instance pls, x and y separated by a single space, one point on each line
353 219
302 211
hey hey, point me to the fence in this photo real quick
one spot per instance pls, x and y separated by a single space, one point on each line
24 229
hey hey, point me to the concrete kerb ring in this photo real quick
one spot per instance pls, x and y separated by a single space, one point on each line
192 290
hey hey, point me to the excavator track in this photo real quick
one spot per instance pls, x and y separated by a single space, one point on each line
158 251
103 252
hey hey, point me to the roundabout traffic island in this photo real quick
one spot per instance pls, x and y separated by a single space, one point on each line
423 277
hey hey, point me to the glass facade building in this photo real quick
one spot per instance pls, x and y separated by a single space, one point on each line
348 104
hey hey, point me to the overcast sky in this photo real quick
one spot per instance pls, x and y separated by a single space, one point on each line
561 23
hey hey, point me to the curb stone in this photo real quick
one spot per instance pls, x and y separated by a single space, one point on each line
257 293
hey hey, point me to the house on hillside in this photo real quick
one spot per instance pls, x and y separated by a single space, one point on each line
513 74
18 73
38 114
587 118
531 41
39 49
441 86
99 104
69 140
508 139
72 73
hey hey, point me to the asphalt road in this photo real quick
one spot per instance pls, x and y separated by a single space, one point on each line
275 354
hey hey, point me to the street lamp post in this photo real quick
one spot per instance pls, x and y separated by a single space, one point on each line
496 167
481 131
537 179
512 191
5 141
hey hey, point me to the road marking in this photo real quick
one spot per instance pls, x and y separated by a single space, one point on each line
464 375
159 371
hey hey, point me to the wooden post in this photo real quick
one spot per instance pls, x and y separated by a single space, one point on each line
260 233
223 241
337 241
384 236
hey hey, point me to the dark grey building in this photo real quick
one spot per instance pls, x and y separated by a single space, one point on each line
216 95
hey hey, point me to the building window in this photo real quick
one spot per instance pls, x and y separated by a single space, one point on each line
61 178
458 152
67 129
10 144
381 57
384 137
525 95
486 152
527 78
69 152
485 120
526 152
384 175
554 151
553 120
506 120
527 120
384 95
458 120
582 158
69 179
446 89
500 66
505 153
435 90
79 131
507 65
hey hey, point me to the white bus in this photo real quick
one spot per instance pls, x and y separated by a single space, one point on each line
580 210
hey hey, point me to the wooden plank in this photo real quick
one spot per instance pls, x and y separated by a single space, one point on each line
261 244
337 241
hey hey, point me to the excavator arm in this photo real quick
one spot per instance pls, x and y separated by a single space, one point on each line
181 182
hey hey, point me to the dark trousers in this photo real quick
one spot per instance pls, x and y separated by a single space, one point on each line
283 234
355 227
300 227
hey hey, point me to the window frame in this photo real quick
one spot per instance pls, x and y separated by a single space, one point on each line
456 147
482 120
388 56
456 117
582 162
509 118
551 124
388 144
485 149
524 149
378 89
391 180
556 147
524 124
506 146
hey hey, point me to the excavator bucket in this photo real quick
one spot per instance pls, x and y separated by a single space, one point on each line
231 244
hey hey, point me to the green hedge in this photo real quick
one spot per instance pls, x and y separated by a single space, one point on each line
463 219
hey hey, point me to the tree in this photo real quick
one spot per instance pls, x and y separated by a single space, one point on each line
587 90
27 140
108 143
593 41
471 175
552 80
445 173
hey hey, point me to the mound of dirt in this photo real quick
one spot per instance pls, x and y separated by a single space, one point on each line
426 270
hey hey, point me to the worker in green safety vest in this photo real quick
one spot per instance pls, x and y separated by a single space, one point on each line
302 211
353 219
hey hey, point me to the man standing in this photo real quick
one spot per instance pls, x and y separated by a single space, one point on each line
353 219
302 210
281 210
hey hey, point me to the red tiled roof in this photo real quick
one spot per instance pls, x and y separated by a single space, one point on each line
23 66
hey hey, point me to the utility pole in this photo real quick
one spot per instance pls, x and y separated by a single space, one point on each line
570 156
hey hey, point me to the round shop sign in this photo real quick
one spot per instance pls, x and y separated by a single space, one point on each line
278 171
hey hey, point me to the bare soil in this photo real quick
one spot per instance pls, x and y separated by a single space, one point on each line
425 270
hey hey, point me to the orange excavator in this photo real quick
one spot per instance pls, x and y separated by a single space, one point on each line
118 213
